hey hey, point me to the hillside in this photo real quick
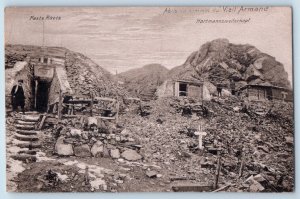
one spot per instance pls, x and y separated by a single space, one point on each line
85 77
249 143
219 61
145 79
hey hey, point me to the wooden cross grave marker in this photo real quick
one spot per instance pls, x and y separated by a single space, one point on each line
200 134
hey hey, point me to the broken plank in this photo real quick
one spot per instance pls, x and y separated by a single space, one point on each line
41 124
222 188
187 187
181 178
241 167
51 120
217 173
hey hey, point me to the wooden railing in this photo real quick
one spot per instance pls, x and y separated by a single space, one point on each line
100 107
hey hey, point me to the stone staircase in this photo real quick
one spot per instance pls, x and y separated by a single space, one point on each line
26 136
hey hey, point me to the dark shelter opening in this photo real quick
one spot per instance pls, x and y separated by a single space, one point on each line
182 89
41 93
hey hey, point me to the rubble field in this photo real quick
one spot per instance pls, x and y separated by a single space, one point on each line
250 143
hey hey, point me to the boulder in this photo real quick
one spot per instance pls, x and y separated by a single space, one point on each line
256 187
131 155
82 151
226 92
252 73
63 149
234 74
84 135
236 65
240 84
106 152
210 87
115 153
289 140
75 132
97 149
259 178
206 94
151 174
125 132
92 120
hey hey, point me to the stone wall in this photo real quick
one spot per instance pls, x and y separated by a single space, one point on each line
166 89
195 91
20 71
53 96
59 82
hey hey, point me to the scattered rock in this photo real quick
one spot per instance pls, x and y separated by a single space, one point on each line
63 149
82 151
131 155
106 152
97 149
159 175
259 178
151 174
115 153
289 140
256 187
92 120
75 132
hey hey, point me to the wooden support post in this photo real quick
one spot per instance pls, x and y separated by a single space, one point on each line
42 122
217 172
86 176
117 108
92 104
35 93
72 109
242 166
59 113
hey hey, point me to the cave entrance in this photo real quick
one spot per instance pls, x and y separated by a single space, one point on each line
41 93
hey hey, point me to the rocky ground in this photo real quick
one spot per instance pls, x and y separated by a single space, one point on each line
159 151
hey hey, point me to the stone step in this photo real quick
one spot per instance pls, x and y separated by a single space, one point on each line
24 157
30 118
32 113
30 145
26 132
25 122
25 127
26 137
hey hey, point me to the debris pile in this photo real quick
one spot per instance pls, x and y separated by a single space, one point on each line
104 140
263 142
12 59
88 79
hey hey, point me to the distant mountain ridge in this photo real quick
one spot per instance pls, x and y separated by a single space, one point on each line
144 79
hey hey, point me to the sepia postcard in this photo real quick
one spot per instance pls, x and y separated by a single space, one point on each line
149 99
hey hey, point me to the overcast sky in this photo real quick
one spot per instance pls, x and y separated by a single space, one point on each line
125 38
